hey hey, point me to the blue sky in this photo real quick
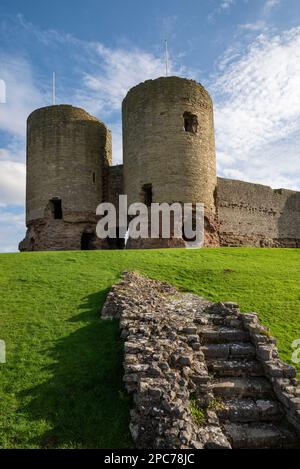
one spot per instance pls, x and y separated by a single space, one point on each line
245 52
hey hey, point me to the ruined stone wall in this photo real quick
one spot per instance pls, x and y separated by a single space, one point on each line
201 374
180 164
256 215
168 140
115 184
163 364
59 235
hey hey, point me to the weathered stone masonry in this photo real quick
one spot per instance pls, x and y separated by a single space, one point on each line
256 215
68 155
169 156
202 375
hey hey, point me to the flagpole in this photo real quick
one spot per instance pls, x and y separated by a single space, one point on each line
53 89
166 58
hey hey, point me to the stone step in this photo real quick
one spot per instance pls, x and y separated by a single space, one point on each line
241 367
223 335
260 436
229 388
228 321
232 350
249 410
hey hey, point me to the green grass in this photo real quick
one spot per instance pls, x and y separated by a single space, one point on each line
198 414
62 385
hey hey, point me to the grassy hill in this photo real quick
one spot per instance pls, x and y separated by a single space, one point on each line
62 385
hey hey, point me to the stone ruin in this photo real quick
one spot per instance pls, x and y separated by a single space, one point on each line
202 375
168 156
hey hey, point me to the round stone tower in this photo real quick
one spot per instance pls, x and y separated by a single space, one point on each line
169 145
68 152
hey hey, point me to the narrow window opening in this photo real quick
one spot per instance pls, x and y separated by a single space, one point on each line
94 178
190 122
147 194
56 209
87 241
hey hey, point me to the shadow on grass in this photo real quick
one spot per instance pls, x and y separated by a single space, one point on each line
83 401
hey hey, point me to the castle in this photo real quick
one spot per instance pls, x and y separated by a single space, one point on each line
169 156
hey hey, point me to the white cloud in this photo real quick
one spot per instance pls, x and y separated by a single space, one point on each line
12 230
12 182
263 21
2 91
223 6
117 143
115 72
14 150
233 174
22 95
256 26
270 5
106 76
226 4
257 110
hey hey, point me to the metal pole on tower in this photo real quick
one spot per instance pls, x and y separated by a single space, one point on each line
166 57
53 89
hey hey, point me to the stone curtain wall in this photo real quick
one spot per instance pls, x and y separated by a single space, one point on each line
202 375
115 184
256 215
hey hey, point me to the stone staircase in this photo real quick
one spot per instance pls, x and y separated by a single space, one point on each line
202 375
248 411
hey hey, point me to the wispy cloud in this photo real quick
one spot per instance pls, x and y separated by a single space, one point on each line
257 106
22 94
226 4
12 229
256 93
223 6
12 181
258 25
264 15
115 72
270 5
103 77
